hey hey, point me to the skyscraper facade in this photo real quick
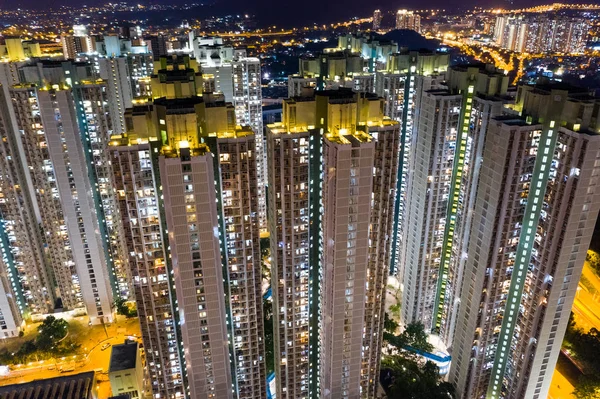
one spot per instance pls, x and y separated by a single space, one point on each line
535 209
58 123
193 224
408 20
377 17
26 281
332 155
401 84
238 77
63 195
535 33
444 155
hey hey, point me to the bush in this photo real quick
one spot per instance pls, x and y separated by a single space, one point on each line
587 387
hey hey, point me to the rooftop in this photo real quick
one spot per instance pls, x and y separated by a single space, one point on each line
123 357
340 94
179 103
79 385
343 136
512 120
576 93
486 69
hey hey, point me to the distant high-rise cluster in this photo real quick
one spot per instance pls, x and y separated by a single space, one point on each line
406 19
541 33
352 64
15 49
377 17
133 171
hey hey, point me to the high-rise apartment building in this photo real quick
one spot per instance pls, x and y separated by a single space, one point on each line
157 45
57 125
377 17
115 72
188 188
64 197
26 283
115 46
80 42
9 74
401 84
331 71
534 212
126 67
238 77
444 155
332 180
92 100
539 33
352 64
374 49
408 20
15 49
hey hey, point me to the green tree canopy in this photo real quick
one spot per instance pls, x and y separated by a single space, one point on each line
50 332
404 378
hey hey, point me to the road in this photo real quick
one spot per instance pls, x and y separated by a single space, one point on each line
586 308
560 388
254 34
487 52
92 357
587 302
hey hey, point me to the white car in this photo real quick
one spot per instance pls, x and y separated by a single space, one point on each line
105 346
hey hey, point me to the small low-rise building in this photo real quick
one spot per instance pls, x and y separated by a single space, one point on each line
77 386
126 372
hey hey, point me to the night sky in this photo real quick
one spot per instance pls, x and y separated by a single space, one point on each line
296 12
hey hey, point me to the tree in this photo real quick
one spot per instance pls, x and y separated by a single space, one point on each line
395 310
269 344
594 260
389 325
124 309
405 378
414 336
587 387
585 347
121 306
51 332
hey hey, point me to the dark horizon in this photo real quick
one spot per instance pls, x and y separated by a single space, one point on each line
282 13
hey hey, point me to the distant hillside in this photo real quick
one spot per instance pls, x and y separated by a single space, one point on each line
412 40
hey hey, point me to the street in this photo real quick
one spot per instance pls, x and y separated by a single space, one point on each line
560 387
586 309
90 358
587 306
